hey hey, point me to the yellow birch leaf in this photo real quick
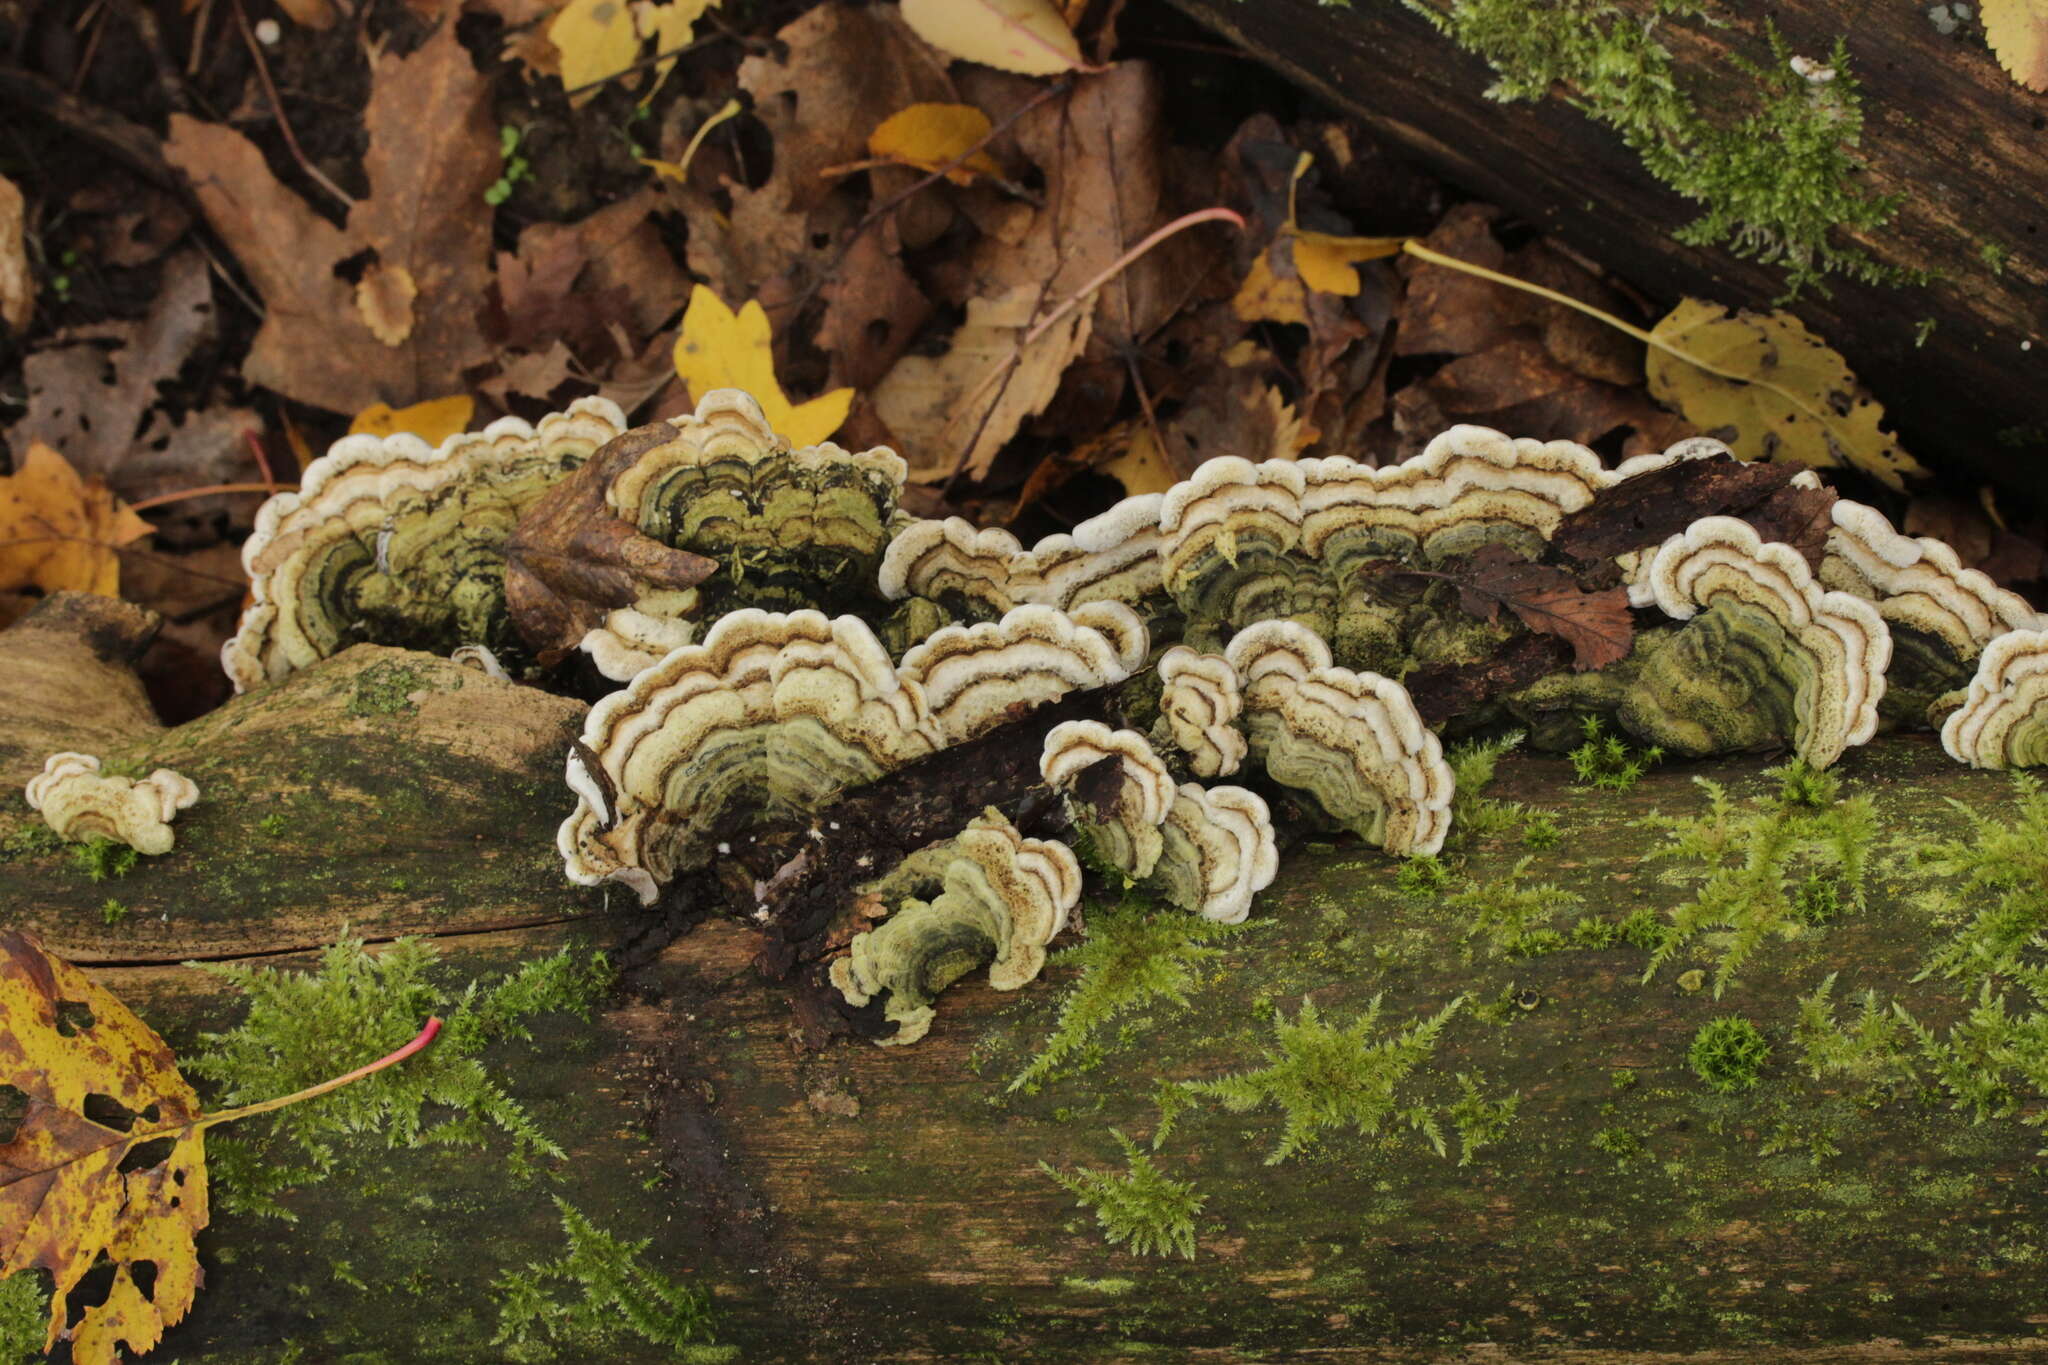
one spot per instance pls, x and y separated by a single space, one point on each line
433 421
59 531
2017 31
1327 263
1265 297
1771 390
929 136
1143 467
1025 36
597 39
721 349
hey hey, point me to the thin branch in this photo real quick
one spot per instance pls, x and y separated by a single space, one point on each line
284 125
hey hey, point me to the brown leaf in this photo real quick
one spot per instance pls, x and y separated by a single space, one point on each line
1441 691
90 401
384 299
1547 600
569 560
433 152
1649 508
59 531
64 1201
873 310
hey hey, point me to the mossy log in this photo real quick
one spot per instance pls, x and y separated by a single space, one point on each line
865 1203
1946 130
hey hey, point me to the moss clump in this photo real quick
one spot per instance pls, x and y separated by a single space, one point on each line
1134 954
1473 814
1513 915
24 1318
1606 760
613 1292
1322 1075
303 1027
1423 877
100 859
1729 1054
1143 1208
112 912
30 841
384 689
1775 182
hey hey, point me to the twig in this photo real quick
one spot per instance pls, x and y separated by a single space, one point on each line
166 499
284 125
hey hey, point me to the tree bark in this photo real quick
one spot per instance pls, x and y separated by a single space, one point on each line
864 1203
1945 128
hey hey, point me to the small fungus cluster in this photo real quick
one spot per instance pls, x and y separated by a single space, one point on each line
788 639
80 802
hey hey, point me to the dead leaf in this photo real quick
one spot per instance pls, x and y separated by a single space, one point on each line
213 446
929 136
1026 36
1982 543
873 309
384 299
64 1199
599 39
313 14
433 421
92 401
59 531
1143 467
17 285
433 152
1547 600
535 375
1772 390
721 349
2017 31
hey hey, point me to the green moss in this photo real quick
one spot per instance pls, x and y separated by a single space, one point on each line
1323 1075
384 689
1473 814
1134 955
1423 878
1541 832
101 859
1729 1053
1113 1286
1480 1120
24 1317
1607 761
273 824
1512 914
32 840
112 912
1774 164
612 1292
1144 1208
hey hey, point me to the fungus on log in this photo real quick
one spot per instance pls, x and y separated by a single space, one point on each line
976 677
392 541
1767 656
1228 538
1121 814
2003 719
996 899
1352 741
980 574
1199 705
790 528
1940 614
771 715
1218 851
80 802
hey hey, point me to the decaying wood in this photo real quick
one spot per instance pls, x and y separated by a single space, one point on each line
866 1203
1945 128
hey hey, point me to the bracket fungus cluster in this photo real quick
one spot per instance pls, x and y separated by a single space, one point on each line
792 644
392 541
80 802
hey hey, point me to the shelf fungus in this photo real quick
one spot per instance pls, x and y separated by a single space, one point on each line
80 802
1228 540
987 897
1940 614
1199 706
1218 851
1766 657
980 574
1351 741
392 541
1116 789
975 677
2003 720
771 715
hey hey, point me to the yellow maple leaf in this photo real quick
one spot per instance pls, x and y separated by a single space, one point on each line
929 136
721 349
59 531
1322 262
433 421
1026 36
1328 264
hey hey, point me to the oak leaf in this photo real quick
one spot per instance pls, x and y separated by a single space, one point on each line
1595 624
721 349
109 1158
1026 36
1771 390
929 136
2017 31
59 531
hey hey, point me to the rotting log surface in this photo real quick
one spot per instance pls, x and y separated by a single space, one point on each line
867 1203
1944 127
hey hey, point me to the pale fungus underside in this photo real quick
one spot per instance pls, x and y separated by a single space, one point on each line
792 644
